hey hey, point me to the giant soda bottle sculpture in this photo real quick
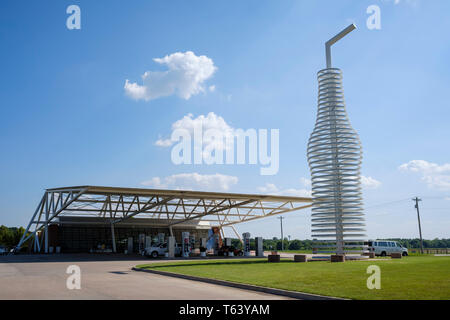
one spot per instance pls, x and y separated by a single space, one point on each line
334 158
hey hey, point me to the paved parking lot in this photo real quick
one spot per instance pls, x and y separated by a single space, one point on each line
103 277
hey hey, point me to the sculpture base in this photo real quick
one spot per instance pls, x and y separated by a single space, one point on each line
337 258
273 258
300 258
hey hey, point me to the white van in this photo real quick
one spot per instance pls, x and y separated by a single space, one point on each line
386 247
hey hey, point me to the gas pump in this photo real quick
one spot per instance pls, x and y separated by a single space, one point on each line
192 242
141 242
130 245
148 241
202 247
228 247
161 238
216 243
185 244
259 247
203 242
215 239
246 240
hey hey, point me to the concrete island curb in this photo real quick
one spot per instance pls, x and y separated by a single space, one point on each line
279 292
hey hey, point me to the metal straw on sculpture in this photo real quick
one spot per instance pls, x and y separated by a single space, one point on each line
334 157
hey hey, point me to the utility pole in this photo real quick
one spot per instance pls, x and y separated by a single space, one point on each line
416 200
281 223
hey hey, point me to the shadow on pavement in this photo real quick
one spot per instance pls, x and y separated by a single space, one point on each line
30 258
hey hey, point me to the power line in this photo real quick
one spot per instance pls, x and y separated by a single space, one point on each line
443 197
386 203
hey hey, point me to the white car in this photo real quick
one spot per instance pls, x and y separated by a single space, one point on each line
159 250
386 247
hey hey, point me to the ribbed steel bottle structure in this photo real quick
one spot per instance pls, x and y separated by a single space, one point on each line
334 157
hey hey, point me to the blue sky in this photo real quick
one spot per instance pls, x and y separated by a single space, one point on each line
66 118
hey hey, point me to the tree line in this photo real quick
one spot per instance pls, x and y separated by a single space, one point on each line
10 236
275 244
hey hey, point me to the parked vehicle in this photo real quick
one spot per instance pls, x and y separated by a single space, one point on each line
3 251
224 250
159 250
386 247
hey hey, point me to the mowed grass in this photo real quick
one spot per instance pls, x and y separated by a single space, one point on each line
422 277
294 251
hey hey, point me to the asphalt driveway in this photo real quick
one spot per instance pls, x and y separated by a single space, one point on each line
103 277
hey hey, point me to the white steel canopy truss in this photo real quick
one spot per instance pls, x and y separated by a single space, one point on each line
169 207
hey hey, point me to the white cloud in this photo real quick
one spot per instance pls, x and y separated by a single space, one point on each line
369 182
434 175
305 182
202 123
296 192
410 2
193 181
163 142
135 91
270 188
426 167
185 77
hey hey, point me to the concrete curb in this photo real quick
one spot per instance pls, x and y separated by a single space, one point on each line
279 292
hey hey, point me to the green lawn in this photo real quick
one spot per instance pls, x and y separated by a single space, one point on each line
294 251
421 277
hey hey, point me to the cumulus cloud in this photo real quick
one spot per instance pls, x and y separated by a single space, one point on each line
296 192
193 181
270 188
410 2
369 182
213 139
305 182
185 77
163 142
434 175
366 182
202 123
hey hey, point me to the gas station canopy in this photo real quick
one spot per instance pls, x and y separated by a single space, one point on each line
115 205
